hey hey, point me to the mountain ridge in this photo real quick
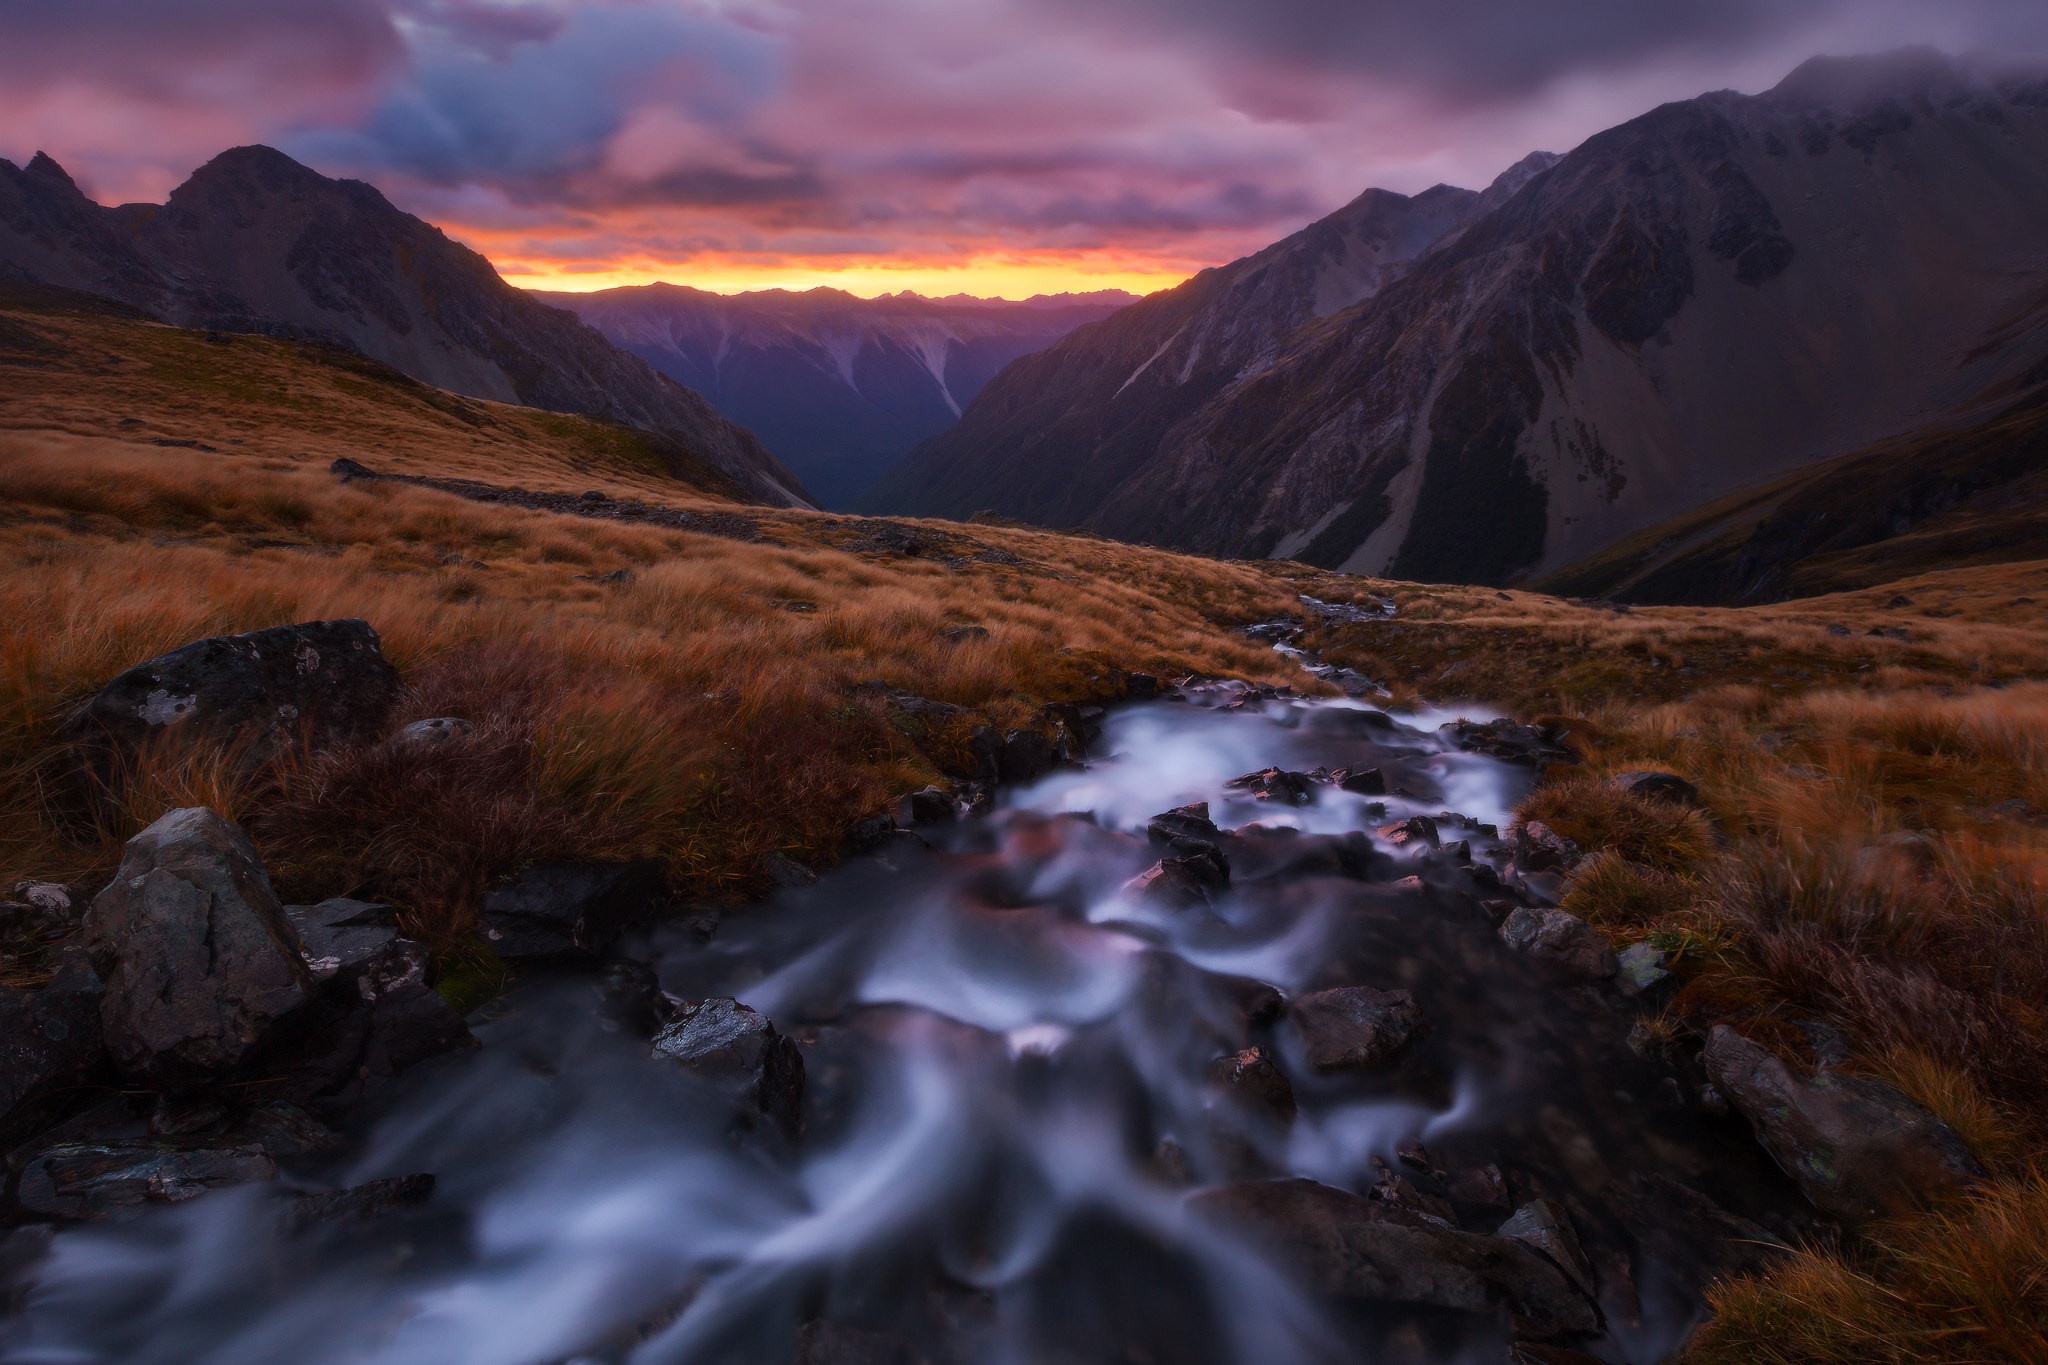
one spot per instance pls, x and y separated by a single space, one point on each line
839 387
1695 300
255 242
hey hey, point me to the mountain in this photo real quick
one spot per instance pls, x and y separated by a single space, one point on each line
838 387
1712 295
256 242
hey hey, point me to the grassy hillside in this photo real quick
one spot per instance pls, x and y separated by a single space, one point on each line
1973 492
1874 856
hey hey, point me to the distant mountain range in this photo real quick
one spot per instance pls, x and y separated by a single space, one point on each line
1490 387
256 242
839 387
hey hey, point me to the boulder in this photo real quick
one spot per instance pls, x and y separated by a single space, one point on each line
1363 781
1536 847
1354 1027
1417 831
1348 1246
1249 1080
931 806
1657 786
1548 1228
1563 941
738 1053
1535 745
49 1039
1276 784
81 1180
1024 756
1181 883
1857 1147
198 959
341 934
568 910
315 683
1188 830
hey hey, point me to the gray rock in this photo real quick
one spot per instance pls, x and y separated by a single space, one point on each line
1348 1246
314 683
1657 786
359 1203
49 907
375 1018
1353 1027
740 1055
341 934
1417 831
1025 756
568 910
1278 785
1563 941
437 731
787 873
931 806
49 1038
1543 1225
75 1181
1858 1148
1536 847
198 959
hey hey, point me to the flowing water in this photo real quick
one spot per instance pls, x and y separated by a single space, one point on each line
1009 1099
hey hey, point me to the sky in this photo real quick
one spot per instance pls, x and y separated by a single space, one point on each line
995 147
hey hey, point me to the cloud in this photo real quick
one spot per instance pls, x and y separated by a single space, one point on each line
653 133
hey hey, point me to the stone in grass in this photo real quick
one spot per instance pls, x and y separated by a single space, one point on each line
738 1053
1640 967
197 957
1560 940
1356 1027
1858 1148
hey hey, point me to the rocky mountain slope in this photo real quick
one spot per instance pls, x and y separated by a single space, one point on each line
839 387
1709 296
255 242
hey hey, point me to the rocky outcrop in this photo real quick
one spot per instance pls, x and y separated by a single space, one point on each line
318 682
562 910
256 242
740 1056
1355 1027
1858 1147
1561 941
198 958
1348 1246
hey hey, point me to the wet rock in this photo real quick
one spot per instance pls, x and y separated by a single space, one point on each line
1536 847
317 682
1186 829
1363 781
1254 1001
359 1203
630 997
1563 941
1353 1027
834 1343
1656 786
49 1039
1504 739
1025 756
1417 831
341 934
375 1018
1249 1080
1397 1191
75 1181
198 959
181 1117
931 806
787 873
568 910
1276 784
740 1055
435 732
1182 882
1348 1246
1546 1227
1480 1186
1857 1147
286 1131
